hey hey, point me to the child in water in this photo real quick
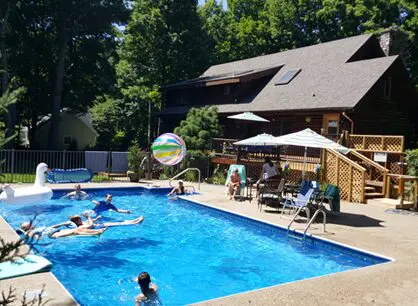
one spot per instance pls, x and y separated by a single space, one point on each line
179 190
149 290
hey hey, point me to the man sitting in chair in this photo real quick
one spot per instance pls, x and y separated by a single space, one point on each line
234 184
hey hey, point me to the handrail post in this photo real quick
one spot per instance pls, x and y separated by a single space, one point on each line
12 170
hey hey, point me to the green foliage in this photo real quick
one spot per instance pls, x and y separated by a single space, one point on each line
200 126
412 162
135 156
106 120
219 175
191 176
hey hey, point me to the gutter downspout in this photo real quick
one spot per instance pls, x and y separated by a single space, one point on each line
351 122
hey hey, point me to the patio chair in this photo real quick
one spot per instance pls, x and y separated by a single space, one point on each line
271 196
330 196
299 203
243 175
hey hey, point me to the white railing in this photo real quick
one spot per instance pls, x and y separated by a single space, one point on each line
183 172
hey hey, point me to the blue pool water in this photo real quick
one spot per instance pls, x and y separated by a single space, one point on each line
193 253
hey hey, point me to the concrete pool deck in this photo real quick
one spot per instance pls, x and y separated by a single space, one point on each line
367 227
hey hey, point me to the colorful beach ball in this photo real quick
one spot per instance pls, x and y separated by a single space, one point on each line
169 149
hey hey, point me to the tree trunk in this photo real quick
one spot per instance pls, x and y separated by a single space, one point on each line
54 131
11 115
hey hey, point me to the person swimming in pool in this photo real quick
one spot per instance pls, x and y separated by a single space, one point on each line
107 205
91 223
179 190
28 229
77 194
149 291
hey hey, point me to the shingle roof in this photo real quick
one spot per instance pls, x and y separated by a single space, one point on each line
327 79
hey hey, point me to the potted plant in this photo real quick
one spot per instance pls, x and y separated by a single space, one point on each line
134 163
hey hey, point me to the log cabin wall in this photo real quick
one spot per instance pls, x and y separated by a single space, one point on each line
388 108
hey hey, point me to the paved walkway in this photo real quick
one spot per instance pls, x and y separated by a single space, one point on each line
363 226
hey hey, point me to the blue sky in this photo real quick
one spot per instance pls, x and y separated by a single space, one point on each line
223 2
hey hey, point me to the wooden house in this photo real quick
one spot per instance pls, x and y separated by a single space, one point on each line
352 84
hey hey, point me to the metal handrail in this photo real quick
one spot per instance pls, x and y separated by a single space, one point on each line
181 173
324 215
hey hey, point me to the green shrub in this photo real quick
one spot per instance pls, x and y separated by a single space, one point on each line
135 157
191 176
412 162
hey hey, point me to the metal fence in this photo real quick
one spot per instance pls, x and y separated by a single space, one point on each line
19 166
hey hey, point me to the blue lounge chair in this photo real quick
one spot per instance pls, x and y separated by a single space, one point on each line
243 175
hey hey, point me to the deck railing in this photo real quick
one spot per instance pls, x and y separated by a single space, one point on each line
376 143
345 173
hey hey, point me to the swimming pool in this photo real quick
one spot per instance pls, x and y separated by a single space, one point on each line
192 252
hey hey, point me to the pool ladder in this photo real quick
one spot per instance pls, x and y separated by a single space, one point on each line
324 221
183 172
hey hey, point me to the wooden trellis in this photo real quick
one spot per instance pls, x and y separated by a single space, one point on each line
346 174
376 143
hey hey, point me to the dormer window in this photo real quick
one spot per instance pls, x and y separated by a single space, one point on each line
288 77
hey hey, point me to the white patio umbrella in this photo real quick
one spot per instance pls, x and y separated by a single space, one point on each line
309 139
248 116
259 140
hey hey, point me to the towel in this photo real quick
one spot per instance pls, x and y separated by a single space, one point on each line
119 162
96 161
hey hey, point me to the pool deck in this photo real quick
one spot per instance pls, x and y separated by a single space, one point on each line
366 227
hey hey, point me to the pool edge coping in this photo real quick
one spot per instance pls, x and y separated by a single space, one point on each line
14 234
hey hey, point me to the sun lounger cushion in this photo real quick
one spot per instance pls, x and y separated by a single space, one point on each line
24 266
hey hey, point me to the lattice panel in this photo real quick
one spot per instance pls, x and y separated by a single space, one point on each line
356 142
357 186
373 144
393 144
343 180
330 174
377 143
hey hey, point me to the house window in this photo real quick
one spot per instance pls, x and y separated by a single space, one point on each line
67 140
227 90
387 89
332 127
287 77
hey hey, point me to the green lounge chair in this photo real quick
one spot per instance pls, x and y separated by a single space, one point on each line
243 175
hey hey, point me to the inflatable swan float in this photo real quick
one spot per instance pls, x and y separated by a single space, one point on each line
29 195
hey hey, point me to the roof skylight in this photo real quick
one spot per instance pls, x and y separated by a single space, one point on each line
288 76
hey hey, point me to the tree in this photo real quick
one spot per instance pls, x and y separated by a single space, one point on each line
199 127
72 20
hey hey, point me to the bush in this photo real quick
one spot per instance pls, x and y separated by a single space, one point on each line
135 157
191 176
412 162
200 126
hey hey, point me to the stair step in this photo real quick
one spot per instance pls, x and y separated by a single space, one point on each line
369 188
374 183
390 203
373 195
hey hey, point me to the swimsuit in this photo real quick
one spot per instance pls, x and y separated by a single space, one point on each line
102 206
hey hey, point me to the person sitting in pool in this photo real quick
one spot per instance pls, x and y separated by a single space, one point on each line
77 194
234 184
27 229
91 223
107 205
149 295
179 190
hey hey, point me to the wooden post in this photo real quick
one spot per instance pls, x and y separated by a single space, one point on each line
364 142
350 177
383 144
363 198
415 194
401 190
238 154
387 182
